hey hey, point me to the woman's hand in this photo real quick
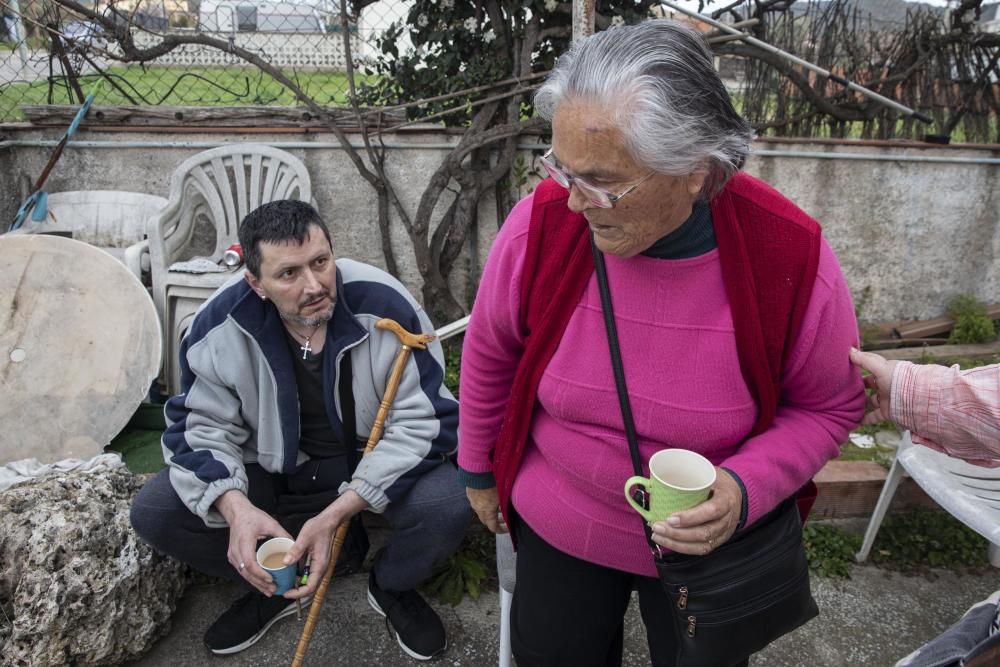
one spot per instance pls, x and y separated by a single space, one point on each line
701 529
486 504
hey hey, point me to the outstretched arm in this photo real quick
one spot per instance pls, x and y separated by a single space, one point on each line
953 411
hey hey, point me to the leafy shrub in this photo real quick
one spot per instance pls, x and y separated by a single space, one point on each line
452 364
909 542
830 551
918 539
972 322
470 571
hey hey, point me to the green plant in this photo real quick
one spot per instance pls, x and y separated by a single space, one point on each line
972 321
910 542
915 540
452 364
519 172
469 572
830 551
851 452
965 363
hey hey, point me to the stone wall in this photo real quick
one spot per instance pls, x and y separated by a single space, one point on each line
910 232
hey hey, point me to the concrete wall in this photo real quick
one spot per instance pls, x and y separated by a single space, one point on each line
909 234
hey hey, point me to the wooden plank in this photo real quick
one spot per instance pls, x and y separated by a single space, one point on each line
852 488
944 353
164 116
938 325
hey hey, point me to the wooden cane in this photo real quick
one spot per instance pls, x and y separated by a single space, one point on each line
407 342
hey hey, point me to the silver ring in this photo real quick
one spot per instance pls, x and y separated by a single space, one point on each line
242 565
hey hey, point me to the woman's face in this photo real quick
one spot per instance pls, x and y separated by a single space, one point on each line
588 146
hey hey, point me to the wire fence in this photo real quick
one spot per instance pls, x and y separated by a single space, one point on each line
52 55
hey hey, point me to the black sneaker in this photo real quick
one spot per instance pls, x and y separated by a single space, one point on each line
246 621
418 628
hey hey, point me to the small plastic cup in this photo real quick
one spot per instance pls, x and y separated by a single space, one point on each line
270 556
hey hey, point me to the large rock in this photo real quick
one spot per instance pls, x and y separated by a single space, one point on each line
77 585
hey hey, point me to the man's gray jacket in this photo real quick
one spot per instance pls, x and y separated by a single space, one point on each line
239 402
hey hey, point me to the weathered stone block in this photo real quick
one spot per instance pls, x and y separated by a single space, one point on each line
77 585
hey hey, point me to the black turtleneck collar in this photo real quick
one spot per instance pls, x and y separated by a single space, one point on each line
694 237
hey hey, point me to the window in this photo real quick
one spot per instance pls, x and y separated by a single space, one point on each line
246 18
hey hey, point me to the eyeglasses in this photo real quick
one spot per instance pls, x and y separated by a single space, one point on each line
599 197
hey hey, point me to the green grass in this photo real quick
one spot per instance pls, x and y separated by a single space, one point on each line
173 86
139 441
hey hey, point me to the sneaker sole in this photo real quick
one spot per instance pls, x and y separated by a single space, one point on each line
406 649
263 631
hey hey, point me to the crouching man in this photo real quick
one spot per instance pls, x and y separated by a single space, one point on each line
282 375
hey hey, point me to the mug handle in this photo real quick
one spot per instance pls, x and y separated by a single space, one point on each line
643 483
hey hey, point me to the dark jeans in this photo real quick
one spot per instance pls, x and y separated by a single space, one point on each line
427 524
567 611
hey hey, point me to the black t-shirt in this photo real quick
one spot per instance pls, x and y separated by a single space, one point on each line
316 436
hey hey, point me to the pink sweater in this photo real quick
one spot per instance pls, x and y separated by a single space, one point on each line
683 374
953 411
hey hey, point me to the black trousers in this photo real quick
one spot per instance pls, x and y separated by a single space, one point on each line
428 523
567 611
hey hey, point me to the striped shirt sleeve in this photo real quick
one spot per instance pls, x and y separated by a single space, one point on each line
953 411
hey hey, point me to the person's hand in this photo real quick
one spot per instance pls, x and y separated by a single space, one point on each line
247 524
703 528
486 504
880 382
315 538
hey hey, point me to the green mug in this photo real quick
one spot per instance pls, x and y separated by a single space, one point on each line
678 479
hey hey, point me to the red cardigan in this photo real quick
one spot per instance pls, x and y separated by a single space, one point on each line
769 252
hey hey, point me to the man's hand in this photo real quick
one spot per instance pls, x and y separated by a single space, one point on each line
247 524
486 504
316 537
703 528
880 382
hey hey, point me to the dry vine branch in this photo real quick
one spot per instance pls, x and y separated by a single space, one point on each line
435 254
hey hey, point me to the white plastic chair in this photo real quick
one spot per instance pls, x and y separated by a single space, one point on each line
210 194
506 574
969 493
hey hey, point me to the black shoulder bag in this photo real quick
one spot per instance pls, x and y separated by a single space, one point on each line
743 595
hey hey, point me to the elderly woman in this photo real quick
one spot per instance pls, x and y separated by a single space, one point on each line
734 323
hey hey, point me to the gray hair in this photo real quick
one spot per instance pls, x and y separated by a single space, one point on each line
659 85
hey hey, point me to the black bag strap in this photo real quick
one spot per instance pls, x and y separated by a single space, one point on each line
642 496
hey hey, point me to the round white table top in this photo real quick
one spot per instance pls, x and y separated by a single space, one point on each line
79 348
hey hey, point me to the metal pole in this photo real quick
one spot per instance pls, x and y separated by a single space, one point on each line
583 19
892 104
19 39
